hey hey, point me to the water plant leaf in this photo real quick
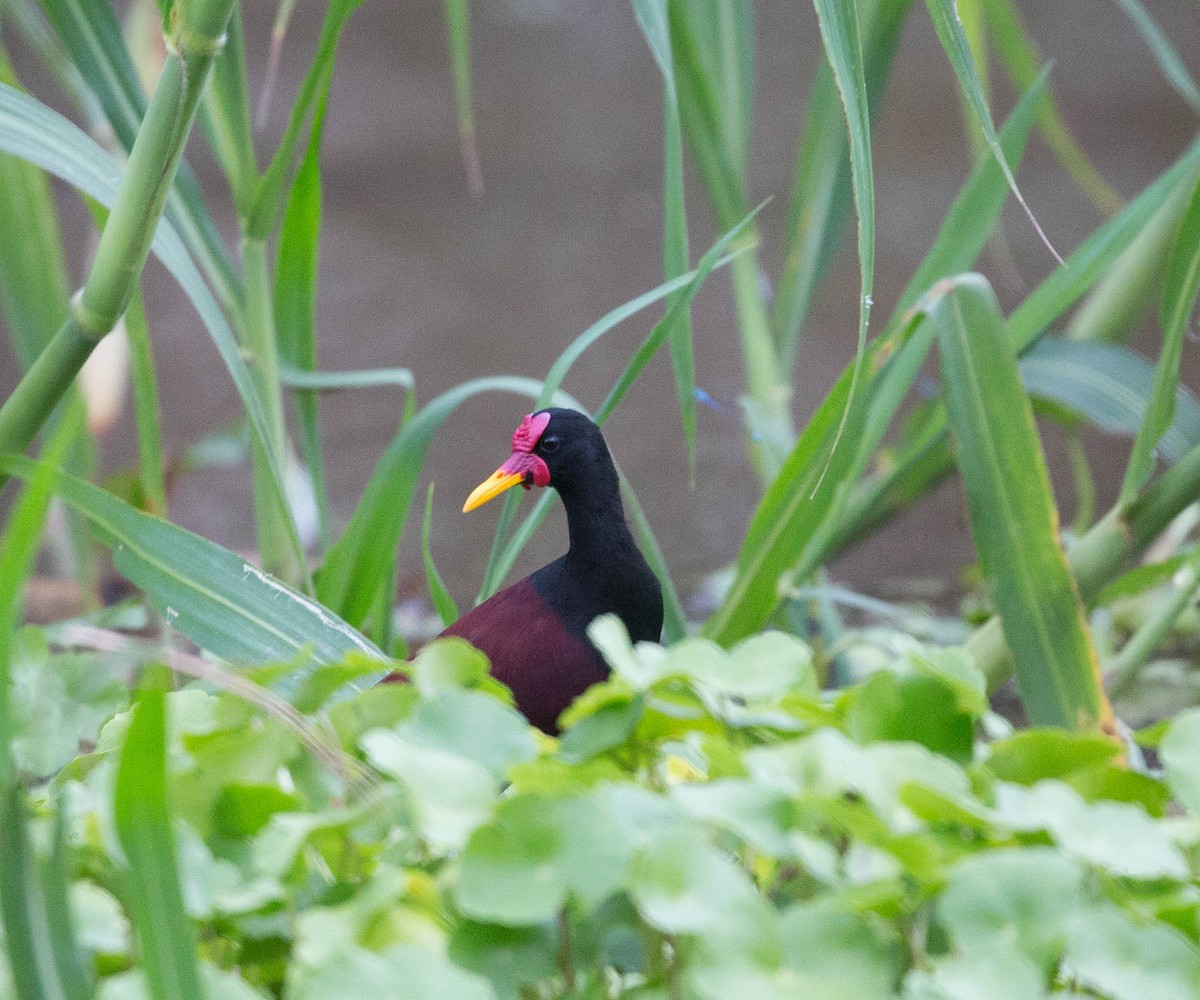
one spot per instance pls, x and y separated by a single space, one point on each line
1033 892
536 853
1013 517
1180 754
1180 287
1110 953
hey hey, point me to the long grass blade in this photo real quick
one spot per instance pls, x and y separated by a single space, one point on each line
296 304
93 38
843 50
271 193
950 32
1180 287
1013 517
142 814
225 114
821 199
458 35
443 603
1172 67
712 50
1021 61
653 19
33 132
211 595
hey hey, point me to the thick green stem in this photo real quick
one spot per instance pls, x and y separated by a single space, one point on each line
1102 552
195 39
274 539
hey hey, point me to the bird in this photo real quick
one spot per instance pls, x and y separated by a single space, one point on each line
534 632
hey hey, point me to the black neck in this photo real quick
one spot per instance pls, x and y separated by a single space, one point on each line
595 517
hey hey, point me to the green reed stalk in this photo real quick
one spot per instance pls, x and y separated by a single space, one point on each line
194 38
1100 554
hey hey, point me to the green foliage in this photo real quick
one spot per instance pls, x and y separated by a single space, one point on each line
742 834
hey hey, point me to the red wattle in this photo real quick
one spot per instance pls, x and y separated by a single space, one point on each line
532 468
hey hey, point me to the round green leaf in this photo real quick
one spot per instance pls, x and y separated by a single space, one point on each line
1119 959
1180 753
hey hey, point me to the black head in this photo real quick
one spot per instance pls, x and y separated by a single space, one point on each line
553 447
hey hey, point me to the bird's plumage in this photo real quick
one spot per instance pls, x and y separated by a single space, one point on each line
534 632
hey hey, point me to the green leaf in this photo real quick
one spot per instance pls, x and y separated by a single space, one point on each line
1000 974
1013 519
1180 754
840 33
821 197
1111 835
653 20
511 957
295 300
917 708
537 853
1108 952
151 468
212 595
422 974
473 724
300 378
682 884
839 956
1033 755
167 943
949 30
1111 386
450 795
1023 896
442 601
1180 286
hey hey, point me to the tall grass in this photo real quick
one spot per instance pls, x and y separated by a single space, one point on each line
317 627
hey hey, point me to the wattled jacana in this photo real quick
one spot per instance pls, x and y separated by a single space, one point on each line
534 632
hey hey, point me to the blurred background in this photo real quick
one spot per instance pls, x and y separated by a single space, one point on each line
416 273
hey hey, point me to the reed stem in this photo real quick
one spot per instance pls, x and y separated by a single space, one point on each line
194 39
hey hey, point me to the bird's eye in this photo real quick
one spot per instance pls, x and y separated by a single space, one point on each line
548 445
